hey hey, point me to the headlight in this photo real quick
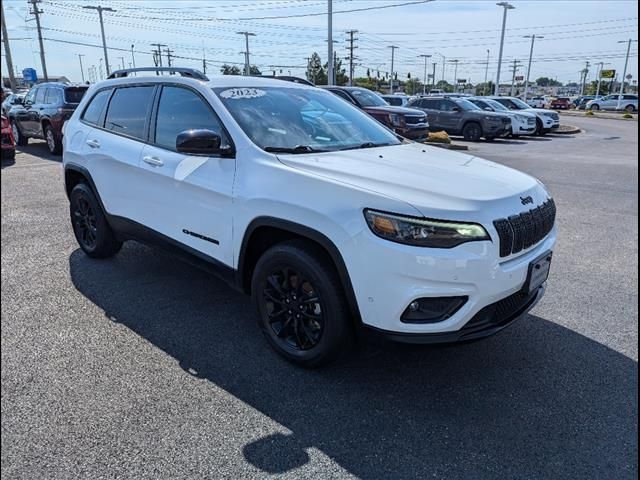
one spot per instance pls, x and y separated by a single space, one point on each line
423 232
489 118
397 120
547 114
521 118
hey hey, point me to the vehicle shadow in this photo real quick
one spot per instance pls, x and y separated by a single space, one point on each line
38 148
7 162
535 401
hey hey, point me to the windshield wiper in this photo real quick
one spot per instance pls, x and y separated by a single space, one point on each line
367 145
296 149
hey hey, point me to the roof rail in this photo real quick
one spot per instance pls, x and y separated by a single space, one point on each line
183 72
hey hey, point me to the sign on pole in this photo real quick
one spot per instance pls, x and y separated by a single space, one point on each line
29 75
462 80
607 74
519 78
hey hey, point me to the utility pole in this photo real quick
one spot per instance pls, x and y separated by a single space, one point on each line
330 42
247 65
157 54
526 83
624 72
36 12
433 79
5 40
584 77
600 67
101 9
393 49
204 61
455 74
351 33
486 75
444 62
122 62
516 65
100 70
506 6
133 58
424 85
169 53
80 55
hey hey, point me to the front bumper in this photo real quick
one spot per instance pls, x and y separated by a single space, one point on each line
417 132
497 129
388 276
522 129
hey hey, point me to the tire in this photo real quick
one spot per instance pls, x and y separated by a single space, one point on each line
540 131
472 132
322 331
19 138
595 106
54 144
630 108
489 139
9 154
90 226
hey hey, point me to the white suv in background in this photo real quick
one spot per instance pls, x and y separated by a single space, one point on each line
522 123
327 218
547 120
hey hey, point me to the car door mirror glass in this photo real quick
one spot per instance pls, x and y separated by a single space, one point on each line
488 109
456 109
200 142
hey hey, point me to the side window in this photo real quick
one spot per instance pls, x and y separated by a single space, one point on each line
630 97
93 112
31 96
447 105
182 109
430 104
52 96
40 95
343 95
128 110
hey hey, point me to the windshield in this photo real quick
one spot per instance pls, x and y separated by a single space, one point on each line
496 105
302 119
367 98
519 104
465 104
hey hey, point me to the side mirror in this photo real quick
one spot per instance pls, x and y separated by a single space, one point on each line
200 142
488 109
456 109
18 101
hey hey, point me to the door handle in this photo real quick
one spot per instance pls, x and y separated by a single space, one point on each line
153 161
93 143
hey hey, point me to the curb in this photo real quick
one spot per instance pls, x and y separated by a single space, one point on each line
569 129
606 116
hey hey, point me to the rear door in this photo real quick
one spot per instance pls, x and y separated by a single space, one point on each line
431 106
187 197
21 112
113 147
450 116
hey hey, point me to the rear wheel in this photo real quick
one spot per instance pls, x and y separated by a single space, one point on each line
595 106
53 143
90 226
302 310
472 132
17 135
630 108
8 154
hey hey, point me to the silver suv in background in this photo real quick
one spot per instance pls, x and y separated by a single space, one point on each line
546 121
626 102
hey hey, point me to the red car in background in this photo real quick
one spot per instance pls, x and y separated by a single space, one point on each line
561 103
8 142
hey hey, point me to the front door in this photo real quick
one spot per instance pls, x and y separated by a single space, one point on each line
187 198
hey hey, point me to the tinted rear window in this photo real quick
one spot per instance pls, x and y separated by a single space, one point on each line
393 101
128 110
74 94
40 95
53 96
94 110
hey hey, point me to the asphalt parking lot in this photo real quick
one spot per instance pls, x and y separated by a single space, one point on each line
144 367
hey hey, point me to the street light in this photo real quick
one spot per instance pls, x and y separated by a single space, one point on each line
486 74
424 85
455 74
101 9
506 6
624 73
247 66
600 67
526 83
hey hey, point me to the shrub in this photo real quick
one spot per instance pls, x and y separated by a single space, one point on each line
439 137
589 112
627 115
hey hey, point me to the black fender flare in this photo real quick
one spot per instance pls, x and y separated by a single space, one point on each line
306 232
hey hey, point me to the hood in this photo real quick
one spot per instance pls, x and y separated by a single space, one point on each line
543 110
438 183
394 109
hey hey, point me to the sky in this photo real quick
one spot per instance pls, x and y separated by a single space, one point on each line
287 32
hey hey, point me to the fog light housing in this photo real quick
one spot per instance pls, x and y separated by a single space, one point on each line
432 309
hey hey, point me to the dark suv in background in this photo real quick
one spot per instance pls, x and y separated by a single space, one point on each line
43 112
458 116
408 122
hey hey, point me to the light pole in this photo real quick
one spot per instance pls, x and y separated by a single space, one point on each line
600 67
424 85
133 59
122 62
393 49
486 74
624 73
104 41
247 66
100 70
80 55
330 42
506 6
455 75
526 83
433 75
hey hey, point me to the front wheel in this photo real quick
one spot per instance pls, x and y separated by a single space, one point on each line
472 132
540 128
90 226
595 107
302 309
17 135
630 108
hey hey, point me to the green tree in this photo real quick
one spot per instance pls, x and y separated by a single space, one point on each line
444 85
255 71
340 73
315 73
230 70
485 88
366 82
548 82
412 86
590 88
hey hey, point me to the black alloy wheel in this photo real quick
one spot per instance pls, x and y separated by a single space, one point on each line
84 223
293 308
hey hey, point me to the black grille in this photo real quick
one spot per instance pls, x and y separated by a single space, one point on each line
519 232
415 119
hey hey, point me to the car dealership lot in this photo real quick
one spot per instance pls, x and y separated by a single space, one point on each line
144 367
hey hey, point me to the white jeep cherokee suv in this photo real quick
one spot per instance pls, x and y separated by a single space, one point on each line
326 217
